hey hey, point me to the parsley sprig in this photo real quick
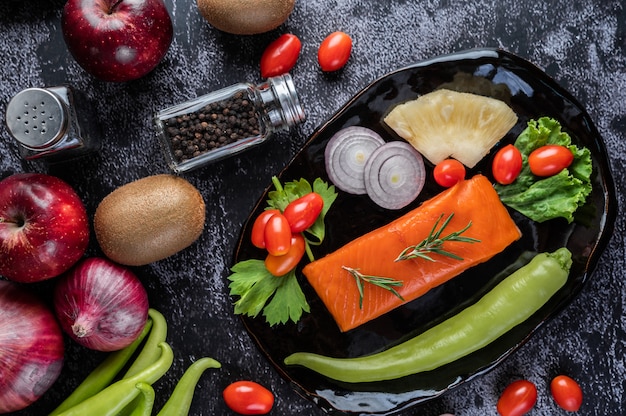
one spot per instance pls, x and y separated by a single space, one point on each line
279 299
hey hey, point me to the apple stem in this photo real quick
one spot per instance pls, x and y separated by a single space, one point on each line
114 6
19 222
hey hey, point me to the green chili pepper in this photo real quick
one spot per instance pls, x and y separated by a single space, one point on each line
508 304
151 351
102 375
179 402
146 402
114 398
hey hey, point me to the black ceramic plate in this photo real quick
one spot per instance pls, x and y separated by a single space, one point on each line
531 94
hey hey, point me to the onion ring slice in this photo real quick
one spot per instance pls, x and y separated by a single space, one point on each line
394 175
346 155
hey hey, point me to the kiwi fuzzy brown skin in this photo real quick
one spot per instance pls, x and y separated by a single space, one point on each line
245 17
149 219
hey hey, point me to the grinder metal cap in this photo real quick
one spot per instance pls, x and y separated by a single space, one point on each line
37 118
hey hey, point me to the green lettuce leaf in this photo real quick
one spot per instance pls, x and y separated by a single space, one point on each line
542 199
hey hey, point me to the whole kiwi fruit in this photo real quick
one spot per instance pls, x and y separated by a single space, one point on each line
245 17
149 219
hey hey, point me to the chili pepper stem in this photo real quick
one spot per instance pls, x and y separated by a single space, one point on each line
146 400
179 402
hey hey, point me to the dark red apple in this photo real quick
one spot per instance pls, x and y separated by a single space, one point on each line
117 40
44 228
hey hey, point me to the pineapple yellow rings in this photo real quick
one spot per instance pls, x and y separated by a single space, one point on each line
446 123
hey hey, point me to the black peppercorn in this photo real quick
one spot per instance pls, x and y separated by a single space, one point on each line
227 121
234 119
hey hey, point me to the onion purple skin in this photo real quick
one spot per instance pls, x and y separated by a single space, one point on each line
31 348
101 305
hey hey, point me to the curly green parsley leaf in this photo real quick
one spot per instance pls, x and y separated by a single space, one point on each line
560 195
255 287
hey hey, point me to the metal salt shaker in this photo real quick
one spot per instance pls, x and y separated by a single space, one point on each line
46 123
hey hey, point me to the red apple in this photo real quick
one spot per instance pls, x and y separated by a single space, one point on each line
44 228
117 40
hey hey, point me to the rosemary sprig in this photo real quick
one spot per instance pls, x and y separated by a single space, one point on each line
386 283
434 242
431 244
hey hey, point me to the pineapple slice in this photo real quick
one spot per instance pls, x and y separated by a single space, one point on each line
446 123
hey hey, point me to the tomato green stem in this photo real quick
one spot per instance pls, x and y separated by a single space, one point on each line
508 304
104 374
277 184
151 351
113 399
308 251
179 402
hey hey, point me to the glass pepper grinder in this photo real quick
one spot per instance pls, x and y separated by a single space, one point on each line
226 122
46 123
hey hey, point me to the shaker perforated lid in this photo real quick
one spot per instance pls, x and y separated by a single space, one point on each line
36 118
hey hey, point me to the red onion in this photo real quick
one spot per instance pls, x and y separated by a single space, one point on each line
101 305
394 175
31 348
346 154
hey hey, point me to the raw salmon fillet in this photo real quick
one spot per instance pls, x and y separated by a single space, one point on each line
374 253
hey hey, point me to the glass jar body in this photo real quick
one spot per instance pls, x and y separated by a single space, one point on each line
226 122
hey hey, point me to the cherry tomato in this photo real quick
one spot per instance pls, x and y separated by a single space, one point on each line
507 164
280 56
258 227
517 398
248 398
277 235
281 265
567 393
448 172
303 212
549 160
334 51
